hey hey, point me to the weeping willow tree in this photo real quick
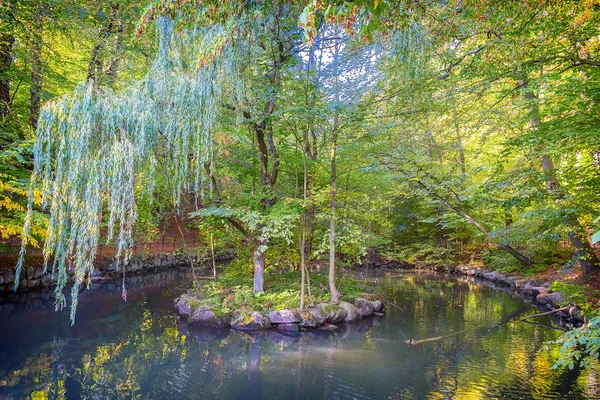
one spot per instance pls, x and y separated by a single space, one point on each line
97 151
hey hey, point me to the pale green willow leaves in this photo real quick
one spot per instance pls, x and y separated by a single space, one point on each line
96 149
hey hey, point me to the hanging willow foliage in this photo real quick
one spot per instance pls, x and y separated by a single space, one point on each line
96 151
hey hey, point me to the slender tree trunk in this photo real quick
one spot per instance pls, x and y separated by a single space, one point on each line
459 145
259 267
267 148
6 59
429 144
576 232
303 245
504 246
35 58
114 26
212 253
117 54
308 152
95 64
335 294
302 267
310 228
259 254
303 239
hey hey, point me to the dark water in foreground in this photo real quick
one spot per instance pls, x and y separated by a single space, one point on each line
136 349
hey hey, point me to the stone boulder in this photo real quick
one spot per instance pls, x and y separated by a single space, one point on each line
530 290
554 298
285 317
490 276
352 314
506 280
255 321
9 275
364 306
470 271
318 314
210 317
184 305
34 283
377 306
520 284
46 280
309 320
333 314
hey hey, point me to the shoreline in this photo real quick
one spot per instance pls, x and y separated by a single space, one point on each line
537 292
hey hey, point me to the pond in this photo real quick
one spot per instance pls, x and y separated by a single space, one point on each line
469 343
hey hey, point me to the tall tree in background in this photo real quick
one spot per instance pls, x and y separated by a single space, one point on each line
274 50
7 41
108 47
486 48
335 295
35 44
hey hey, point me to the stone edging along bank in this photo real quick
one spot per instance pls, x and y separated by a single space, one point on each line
34 277
324 316
537 291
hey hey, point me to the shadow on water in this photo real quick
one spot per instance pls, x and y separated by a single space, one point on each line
445 338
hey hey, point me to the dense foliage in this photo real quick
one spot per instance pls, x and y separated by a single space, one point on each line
435 132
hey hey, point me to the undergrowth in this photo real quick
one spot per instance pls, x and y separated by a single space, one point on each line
232 292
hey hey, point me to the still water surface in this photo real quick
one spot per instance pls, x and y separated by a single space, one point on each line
471 344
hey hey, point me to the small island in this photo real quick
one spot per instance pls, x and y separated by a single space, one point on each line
299 199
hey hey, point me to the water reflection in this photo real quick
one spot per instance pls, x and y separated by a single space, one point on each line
440 339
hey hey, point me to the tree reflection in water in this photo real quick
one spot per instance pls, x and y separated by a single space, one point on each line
479 348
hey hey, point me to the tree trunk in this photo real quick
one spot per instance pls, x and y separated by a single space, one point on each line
96 70
461 150
335 294
115 58
303 236
6 59
95 64
302 268
35 55
576 232
212 253
583 250
504 246
259 268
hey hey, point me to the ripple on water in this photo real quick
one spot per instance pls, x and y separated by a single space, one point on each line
472 345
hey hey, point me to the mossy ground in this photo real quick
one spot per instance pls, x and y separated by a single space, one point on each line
232 292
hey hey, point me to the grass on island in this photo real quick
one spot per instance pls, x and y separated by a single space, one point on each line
232 292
